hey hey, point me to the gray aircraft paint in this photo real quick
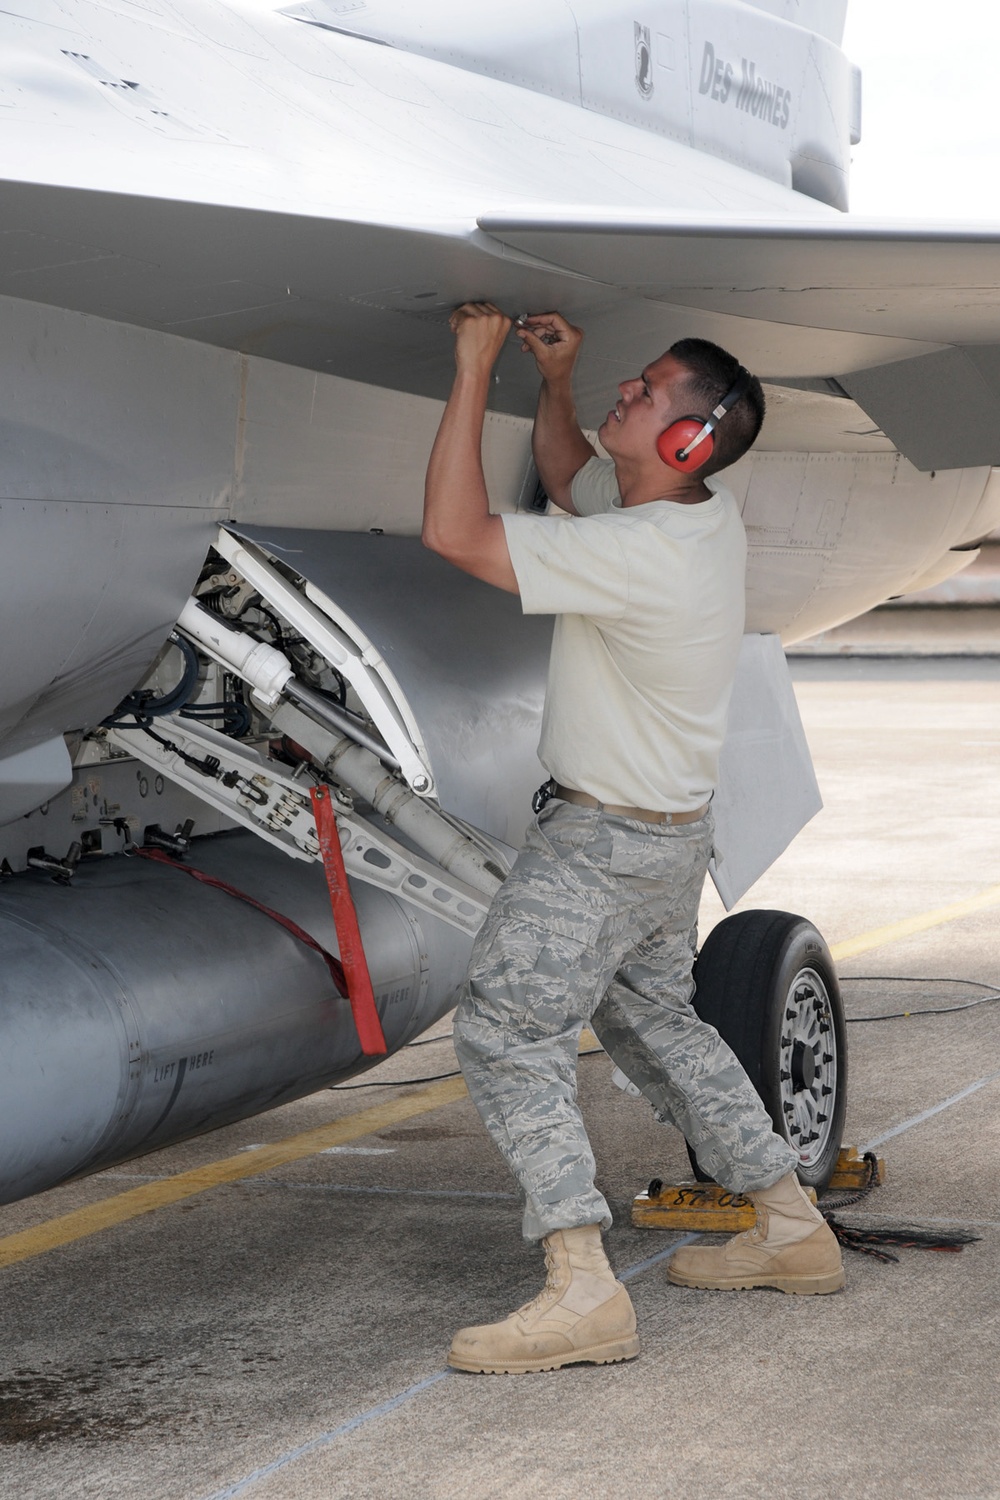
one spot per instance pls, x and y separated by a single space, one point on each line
210 314
663 73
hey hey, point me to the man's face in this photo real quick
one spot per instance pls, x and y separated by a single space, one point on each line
646 405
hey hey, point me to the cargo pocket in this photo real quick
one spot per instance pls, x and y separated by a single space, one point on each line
533 983
638 855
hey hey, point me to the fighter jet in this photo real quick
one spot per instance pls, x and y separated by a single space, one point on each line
231 234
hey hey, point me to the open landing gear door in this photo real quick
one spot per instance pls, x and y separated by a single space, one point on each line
449 670
767 787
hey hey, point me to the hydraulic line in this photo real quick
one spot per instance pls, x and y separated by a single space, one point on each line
317 706
272 677
143 704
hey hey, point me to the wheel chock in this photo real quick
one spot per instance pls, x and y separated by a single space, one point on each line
854 1170
695 1205
712 1209
692 1205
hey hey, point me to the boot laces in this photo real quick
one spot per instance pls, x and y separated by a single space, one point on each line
550 1292
757 1231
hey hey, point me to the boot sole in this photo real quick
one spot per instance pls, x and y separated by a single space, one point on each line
802 1286
601 1354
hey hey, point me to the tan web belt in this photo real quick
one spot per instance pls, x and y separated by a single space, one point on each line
641 814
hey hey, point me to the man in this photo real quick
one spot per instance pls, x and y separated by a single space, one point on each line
597 920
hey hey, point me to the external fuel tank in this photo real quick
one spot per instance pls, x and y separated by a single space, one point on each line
142 1007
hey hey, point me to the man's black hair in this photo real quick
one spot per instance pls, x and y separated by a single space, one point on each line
714 372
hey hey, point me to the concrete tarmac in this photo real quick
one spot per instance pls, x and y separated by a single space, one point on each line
284 1335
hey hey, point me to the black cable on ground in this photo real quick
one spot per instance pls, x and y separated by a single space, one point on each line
938 1010
872 1241
868 1241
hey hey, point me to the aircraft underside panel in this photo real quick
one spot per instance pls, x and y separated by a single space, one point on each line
84 646
830 535
116 458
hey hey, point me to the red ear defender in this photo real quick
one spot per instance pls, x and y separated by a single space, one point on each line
687 444
670 445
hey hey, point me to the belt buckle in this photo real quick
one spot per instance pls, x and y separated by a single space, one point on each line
545 793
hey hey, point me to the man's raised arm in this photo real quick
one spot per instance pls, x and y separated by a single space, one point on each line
559 447
457 520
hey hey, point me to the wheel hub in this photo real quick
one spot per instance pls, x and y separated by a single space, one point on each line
803 1066
808 1066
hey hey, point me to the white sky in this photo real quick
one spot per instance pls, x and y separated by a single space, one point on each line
930 143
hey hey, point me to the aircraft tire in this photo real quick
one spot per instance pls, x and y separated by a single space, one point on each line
766 981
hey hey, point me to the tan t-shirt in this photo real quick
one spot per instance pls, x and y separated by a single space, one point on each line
650 607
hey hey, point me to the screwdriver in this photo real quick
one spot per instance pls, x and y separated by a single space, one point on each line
547 338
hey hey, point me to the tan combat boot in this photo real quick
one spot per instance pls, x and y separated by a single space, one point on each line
582 1316
790 1247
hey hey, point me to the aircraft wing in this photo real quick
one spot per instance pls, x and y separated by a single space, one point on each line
935 290
907 281
906 319
266 182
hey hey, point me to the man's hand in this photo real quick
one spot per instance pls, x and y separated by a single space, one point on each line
554 343
559 447
480 330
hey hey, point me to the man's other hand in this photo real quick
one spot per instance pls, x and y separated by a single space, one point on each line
480 330
554 343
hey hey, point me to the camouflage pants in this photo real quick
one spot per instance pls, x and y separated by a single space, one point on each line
597 923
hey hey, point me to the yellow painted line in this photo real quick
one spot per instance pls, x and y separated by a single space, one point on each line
895 931
144 1200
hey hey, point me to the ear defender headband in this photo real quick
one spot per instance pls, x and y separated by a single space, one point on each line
687 444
